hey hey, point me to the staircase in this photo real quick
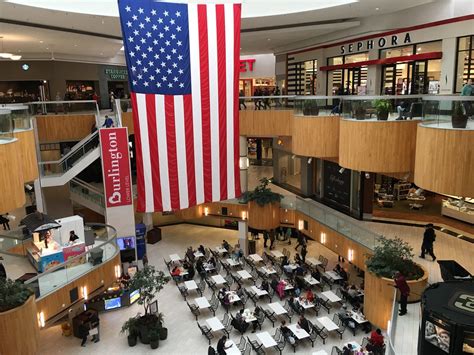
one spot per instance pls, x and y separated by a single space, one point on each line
60 172
87 195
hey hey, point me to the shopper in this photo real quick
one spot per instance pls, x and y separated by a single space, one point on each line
304 251
301 240
265 238
145 260
5 221
402 285
468 90
221 347
95 327
272 238
242 100
429 238
108 122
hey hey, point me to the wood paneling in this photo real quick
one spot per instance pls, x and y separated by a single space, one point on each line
19 329
377 146
316 136
29 161
21 248
127 121
265 123
233 210
190 213
287 217
264 217
63 128
445 161
11 177
59 300
378 297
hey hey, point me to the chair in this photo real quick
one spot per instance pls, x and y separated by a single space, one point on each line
322 333
242 345
290 313
365 342
256 346
243 300
212 284
341 325
194 310
214 305
218 267
280 344
313 336
184 291
270 316
247 350
261 274
317 308
237 278
202 286
260 319
206 332
253 296
326 304
229 280
167 263
336 351
278 334
255 275
328 281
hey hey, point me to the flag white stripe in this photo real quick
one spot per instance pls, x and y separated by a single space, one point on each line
229 56
181 151
163 151
196 92
147 168
214 101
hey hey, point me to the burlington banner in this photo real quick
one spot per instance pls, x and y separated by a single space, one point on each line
116 166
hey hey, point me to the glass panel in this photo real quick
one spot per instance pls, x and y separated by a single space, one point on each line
396 52
6 125
336 60
464 43
448 112
383 108
335 86
428 47
434 76
354 58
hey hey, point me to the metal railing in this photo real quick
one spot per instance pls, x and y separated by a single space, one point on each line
87 191
73 107
392 326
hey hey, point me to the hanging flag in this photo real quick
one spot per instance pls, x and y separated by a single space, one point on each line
183 65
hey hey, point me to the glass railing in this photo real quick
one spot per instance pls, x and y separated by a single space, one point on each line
59 167
269 102
77 107
87 191
104 249
20 115
449 112
317 105
6 125
337 221
14 242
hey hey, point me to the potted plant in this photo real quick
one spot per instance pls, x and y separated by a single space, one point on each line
131 327
383 107
359 110
458 117
154 334
263 207
262 194
162 330
150 282
13 294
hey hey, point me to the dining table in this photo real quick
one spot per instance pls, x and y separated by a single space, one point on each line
266 339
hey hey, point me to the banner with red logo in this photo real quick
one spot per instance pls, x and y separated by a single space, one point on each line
116 166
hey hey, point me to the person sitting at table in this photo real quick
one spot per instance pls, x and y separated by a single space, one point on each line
176 273
264 285
280 289
299 282
200 268
221 293
190 254
299 270
239 290
298 259
303 323
212 261
201 249
274 283
226 245
376 341
316 274
309 295
190 269
221 347
294 305
347 349
240 324
256 313
287 333
344 276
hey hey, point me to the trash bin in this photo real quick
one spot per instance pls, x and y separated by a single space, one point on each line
451 270
252 246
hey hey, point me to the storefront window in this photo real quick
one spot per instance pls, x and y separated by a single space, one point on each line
336 60
287 169
396 52
428 47
349 81
355 58
465 61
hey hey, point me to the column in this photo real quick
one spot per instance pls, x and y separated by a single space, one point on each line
243 237
243 164
448 66
307 176
147 219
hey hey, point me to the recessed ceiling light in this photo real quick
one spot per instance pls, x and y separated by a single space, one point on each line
47 47
41 41
75 45
377 9
269 39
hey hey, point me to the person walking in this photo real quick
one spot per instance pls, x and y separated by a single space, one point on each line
265 238
402 285
304 251
429 238
272 238
145 260
108 122
467 90
301 240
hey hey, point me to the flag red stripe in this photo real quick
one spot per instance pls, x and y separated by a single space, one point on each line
205 102
189 134
222 95
237 10
138 157
154 155
171 148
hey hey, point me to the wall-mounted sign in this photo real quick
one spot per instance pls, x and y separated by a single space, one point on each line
116 166
246 65
382 42
116 74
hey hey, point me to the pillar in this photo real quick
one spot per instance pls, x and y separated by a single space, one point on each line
147 219
243 163
448 66
307 176
259 150
243 237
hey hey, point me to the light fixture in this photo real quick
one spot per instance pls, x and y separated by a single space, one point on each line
323 238
122 49
300 224
6 55
377 9
244 163
206 211
117 271
84 292
244 215
367 176
280 142
350 255
15 57
293 156
41 41
310 160
41 320
341 170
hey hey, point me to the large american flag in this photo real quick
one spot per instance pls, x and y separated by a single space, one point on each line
183 66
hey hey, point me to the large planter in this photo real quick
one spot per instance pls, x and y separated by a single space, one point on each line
19 329
459 121
378 296
382 116
264 217
132 340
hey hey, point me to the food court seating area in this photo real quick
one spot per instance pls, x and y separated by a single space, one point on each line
247 299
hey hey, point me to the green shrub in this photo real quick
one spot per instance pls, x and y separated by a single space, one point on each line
13 294
262 194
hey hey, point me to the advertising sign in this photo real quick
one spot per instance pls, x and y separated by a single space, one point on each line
116 166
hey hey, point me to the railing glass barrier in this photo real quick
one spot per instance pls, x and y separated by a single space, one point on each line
20 115
87 191
59 167
14 242
317 105
104 249
449 112
6 126
64 107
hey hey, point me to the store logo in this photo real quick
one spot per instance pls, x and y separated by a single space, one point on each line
246 64
465 302
116 166
393 40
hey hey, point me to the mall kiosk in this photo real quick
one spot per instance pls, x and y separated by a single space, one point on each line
447 325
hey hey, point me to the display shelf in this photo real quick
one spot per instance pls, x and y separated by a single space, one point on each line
401 190
461 209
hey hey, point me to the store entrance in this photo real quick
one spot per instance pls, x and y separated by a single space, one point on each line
119 88
245 85
350 81
418 77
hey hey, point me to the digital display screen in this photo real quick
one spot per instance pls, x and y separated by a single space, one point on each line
126 243
437 336
113 303
134 296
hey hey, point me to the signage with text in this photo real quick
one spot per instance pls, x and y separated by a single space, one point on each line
391 41
116 74
116 166
246 65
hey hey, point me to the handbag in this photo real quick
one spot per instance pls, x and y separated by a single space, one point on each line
94 331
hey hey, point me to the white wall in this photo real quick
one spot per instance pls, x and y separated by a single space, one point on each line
263 67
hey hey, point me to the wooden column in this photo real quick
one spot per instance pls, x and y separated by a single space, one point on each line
11 177
264 217
29 161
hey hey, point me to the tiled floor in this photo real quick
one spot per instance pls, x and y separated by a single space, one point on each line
184 336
